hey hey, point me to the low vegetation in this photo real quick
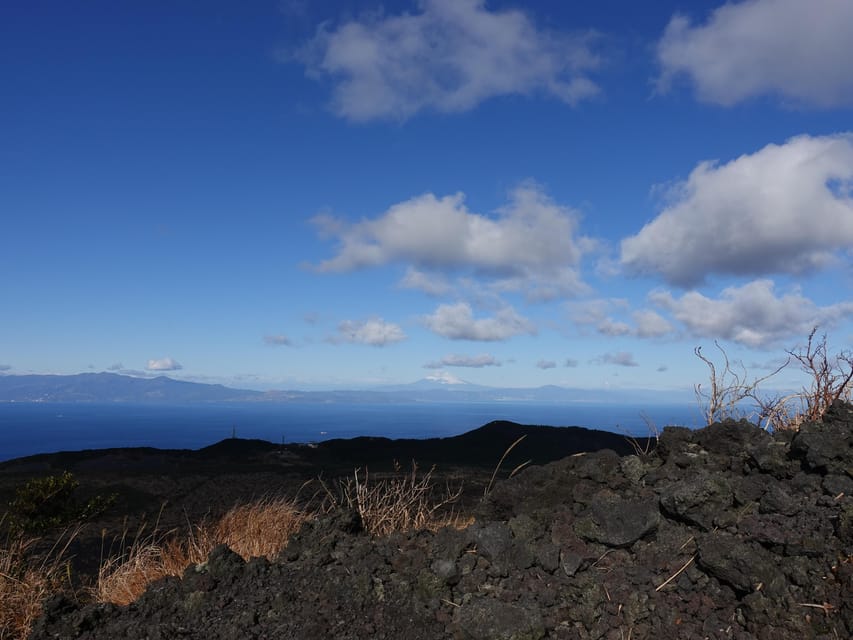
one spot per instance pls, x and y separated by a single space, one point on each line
402 502
27 577
43 504
732 394
258 529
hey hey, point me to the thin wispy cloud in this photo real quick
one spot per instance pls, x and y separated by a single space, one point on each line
571 363
5 367
278 340
459 360
619 358
447 57
163 364
546 364
795 50
374 332
431 284
784 209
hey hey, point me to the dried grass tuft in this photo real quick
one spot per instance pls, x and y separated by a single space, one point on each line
403 502
27 579
252 530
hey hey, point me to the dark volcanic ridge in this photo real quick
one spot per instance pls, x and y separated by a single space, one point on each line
481 447
723 532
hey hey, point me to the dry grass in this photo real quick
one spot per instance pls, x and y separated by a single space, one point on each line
27 578
252 530
403 502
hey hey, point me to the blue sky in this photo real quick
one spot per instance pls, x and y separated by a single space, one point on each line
294 194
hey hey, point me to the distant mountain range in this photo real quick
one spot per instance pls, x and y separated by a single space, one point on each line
115 388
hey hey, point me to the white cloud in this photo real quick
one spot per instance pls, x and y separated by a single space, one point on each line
650 324
795 49
457 322
752 315
611 327
457 360
430 284
546 364
529 245
375 332
277 340
448 57
597 313
163 364
784 209
620 358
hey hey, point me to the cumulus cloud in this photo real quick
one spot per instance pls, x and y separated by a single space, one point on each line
448 57
277 340
457 322
598 313
529 245
620 358
546 364
797 50
785 209
457 360
752 315
613 328
650 324
163 364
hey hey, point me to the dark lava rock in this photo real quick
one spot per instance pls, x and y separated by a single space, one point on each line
616 522
725 532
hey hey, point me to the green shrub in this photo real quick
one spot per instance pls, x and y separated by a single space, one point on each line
51 502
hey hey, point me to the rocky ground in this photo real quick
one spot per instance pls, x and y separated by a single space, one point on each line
725 532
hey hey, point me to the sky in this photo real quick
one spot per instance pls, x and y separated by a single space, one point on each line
315 194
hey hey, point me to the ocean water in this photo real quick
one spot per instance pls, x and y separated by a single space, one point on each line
30 428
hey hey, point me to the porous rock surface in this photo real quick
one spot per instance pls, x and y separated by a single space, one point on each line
724 532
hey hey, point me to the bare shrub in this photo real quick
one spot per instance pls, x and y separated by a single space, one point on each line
403 502
252 530
729 388
27 578
831 377
652 439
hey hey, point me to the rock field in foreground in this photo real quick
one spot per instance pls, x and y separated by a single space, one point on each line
756 529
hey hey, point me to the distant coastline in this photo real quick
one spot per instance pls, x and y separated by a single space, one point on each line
116 388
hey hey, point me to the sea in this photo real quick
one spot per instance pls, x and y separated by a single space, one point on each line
31 428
